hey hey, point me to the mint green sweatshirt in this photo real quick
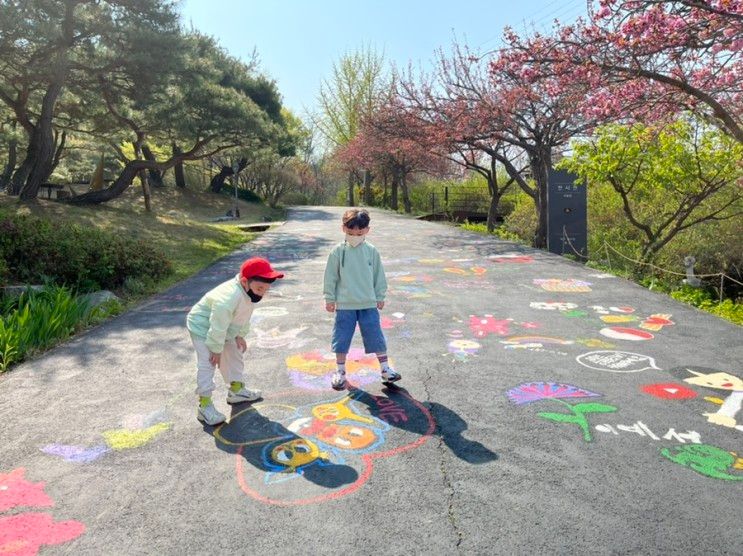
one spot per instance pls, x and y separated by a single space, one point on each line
354 277
221 314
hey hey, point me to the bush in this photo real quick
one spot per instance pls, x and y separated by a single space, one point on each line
294 198
242 193
35 250
704 300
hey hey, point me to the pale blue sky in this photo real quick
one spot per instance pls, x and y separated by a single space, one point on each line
298 40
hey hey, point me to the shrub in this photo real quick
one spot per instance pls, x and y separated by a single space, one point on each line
242 193
35 250
37 320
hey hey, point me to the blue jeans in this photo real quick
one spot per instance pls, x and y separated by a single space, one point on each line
371 330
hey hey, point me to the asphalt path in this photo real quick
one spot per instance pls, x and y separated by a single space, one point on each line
545 408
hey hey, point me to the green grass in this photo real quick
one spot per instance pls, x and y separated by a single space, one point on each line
180 225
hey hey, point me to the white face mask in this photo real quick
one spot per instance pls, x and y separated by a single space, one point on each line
354 241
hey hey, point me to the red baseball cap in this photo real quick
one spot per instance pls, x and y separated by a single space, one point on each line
260 268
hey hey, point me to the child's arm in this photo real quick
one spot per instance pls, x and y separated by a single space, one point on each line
380 280
219 321
330 281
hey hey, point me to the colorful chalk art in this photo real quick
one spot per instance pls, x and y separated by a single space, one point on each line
690 452
293 453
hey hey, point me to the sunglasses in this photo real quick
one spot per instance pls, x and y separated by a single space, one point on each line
361 221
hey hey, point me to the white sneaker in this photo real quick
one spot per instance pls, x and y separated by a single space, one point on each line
338 382
243 395
210 415
390 375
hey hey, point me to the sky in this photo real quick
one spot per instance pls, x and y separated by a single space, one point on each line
298 41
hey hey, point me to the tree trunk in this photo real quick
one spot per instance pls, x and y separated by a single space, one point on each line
405 193
217 182
180 175
494 202
58 151
540 162
350 189
41 146
155 177
20 176
384 195
10 166
143 174
393 195
367 188
118 187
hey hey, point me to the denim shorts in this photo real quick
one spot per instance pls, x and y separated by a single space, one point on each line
371 330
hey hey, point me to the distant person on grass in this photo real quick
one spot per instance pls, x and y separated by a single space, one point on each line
354 288
218 324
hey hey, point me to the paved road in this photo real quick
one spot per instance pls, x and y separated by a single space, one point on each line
545 408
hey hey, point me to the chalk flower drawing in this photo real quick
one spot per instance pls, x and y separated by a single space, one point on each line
536 391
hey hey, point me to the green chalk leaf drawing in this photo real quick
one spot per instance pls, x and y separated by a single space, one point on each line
705 459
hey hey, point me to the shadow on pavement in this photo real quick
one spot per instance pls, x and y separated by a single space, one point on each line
449 426
262 442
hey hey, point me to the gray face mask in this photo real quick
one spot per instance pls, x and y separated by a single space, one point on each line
354 241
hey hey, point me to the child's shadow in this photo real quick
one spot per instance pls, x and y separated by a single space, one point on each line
272 448
449 426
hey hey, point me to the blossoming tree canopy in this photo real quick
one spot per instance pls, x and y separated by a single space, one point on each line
647 59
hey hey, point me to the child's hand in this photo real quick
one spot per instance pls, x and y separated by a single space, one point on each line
241 343
380 305
214 358
330 307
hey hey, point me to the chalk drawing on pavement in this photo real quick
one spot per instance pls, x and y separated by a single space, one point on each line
485 325
577 413
624 333
553 305
321 450
511 258
276 338
313 370
668 391
463 350
706 460
721 382
656 322
616 361
566 286
23 534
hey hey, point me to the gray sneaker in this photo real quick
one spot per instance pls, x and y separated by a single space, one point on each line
338 382
243 395
390 375
210 415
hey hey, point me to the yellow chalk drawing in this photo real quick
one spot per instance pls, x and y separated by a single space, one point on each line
616 319
338 411
125 439
319 363
296 453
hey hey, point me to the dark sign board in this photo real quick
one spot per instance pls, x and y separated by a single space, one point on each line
566 215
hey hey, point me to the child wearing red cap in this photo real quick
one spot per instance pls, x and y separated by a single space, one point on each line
218 324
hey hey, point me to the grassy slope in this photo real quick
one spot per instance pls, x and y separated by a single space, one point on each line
179 223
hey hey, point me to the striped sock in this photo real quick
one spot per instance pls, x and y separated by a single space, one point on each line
236 386
341 368
383 362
